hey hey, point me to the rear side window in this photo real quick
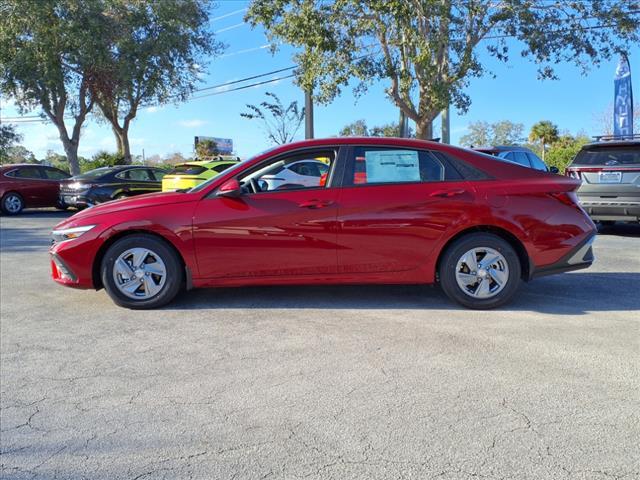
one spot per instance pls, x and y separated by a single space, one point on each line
26 172
379 165
187 170
608 156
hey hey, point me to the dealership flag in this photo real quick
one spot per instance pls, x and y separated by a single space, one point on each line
623 100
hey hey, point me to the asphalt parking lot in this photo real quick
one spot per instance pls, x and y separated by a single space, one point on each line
319 382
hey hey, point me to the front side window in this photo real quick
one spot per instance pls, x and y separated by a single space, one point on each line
536 162
55 174
521 158
138 175
290 172
379 165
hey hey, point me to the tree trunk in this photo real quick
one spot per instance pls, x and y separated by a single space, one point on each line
424 130
71 150
122 138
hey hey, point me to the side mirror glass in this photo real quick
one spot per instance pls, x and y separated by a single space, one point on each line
231 188
554 170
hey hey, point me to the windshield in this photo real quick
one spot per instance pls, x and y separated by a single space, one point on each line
609 156
94 174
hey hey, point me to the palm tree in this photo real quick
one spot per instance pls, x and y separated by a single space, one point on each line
545 132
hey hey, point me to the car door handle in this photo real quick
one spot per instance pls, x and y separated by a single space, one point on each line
447 193
315 204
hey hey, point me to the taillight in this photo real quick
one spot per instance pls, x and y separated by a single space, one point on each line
573 174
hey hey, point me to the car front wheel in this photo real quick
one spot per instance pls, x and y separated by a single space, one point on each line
141 272
480 271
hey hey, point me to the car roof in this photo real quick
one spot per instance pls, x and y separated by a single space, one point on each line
205 163
16 165
503 148
612 143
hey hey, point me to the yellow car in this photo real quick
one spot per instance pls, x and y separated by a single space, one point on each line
189 174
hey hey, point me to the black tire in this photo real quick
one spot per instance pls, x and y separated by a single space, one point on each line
174 271
62 206
12 203
447 270
120 196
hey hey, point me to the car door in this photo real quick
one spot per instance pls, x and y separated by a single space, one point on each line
395 205
30 184
51 184
139 181
275 232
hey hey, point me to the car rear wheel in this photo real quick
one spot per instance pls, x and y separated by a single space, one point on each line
12 203
141 271
480 271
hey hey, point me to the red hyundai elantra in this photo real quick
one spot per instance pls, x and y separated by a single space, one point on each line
386 211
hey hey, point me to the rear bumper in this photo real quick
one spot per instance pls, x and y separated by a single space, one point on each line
76 200
581 256
611 209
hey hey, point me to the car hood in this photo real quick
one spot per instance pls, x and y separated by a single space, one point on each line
140 201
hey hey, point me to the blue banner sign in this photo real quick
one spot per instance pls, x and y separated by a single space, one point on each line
623 102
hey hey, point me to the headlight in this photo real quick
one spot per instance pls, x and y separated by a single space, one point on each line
70 233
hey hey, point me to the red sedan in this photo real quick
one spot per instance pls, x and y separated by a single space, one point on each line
389 211
29 185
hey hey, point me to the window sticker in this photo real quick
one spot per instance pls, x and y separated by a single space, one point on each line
392 166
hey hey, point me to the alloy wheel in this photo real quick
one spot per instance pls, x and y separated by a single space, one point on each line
12 203
482 272
139 273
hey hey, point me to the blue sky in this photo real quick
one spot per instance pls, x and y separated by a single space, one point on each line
574 102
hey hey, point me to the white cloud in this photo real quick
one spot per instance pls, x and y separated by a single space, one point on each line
195 123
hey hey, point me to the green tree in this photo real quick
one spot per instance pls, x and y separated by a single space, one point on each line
44 46
19 154
428 50
359 129
8 138
279 122
503 132
544 132
150 53
564 149
355 129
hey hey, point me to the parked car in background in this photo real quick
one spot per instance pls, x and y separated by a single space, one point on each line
189 174
308 171
422 212
110 183
609 170
29 185
520 155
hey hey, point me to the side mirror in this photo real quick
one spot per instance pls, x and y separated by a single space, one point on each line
231 188
554 170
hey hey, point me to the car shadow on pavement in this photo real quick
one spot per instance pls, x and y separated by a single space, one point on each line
620 230
573 293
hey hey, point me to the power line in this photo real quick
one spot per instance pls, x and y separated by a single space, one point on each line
242 87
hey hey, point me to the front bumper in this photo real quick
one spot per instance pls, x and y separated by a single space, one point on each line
72 261
581 256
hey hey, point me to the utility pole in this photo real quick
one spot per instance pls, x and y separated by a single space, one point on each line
446 137
403 124
308 115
